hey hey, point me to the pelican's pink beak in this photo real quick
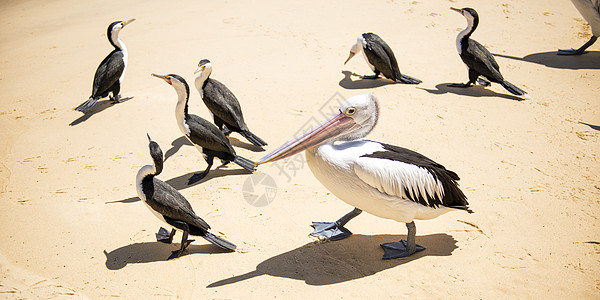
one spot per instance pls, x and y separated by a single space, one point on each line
337 125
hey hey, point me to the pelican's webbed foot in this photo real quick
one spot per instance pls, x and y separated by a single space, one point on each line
399 249
330 230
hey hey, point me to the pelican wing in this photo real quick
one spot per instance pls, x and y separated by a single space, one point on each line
407 174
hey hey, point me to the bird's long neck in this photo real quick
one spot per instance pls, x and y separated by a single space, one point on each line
116 41
201 79
181 109
463 36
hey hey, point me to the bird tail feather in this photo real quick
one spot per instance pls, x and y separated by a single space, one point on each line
515 90
244 163
409 80
85 106
255 140
219 241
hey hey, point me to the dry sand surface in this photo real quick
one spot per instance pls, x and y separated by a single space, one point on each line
72 224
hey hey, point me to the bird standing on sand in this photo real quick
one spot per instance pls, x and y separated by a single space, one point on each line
205 136
590 11
223 104
380 58
111 70
478 59
169 206
385 180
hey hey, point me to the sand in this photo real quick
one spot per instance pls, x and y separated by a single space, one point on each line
72 225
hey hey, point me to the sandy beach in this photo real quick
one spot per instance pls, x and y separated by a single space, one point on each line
73 226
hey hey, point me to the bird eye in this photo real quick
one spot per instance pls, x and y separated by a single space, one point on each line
350 111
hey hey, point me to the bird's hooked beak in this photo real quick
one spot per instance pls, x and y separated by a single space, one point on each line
458 10
163 77
124 23
337 125
350 56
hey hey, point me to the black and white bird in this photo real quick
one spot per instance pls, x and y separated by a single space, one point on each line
205 136
384 180
110 72
380 58
479 61
590 11
222 103
169 206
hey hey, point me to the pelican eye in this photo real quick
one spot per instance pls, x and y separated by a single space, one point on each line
350 111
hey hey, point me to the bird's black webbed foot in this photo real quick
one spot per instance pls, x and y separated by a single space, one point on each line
330 230
459 85
399 249
164 236
483 82
197 177
375 76
178 253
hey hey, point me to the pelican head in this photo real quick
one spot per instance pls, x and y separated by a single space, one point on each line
355 48
354 120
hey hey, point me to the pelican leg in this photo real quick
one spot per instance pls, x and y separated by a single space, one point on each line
199 176
403 248
579 51
164 236
334 231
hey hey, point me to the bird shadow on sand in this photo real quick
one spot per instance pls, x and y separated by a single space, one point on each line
590 60
473 91
183 141
176 145
128 200
360 83
181 182
334 262
98 107
595 127
241 144
146 252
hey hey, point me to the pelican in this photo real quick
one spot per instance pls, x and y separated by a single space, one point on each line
590 11
384 180
168 205
110 72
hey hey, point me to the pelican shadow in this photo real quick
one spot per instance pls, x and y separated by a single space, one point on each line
595 127
334 262
590 60
98 107
473 91
150 252
360 83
